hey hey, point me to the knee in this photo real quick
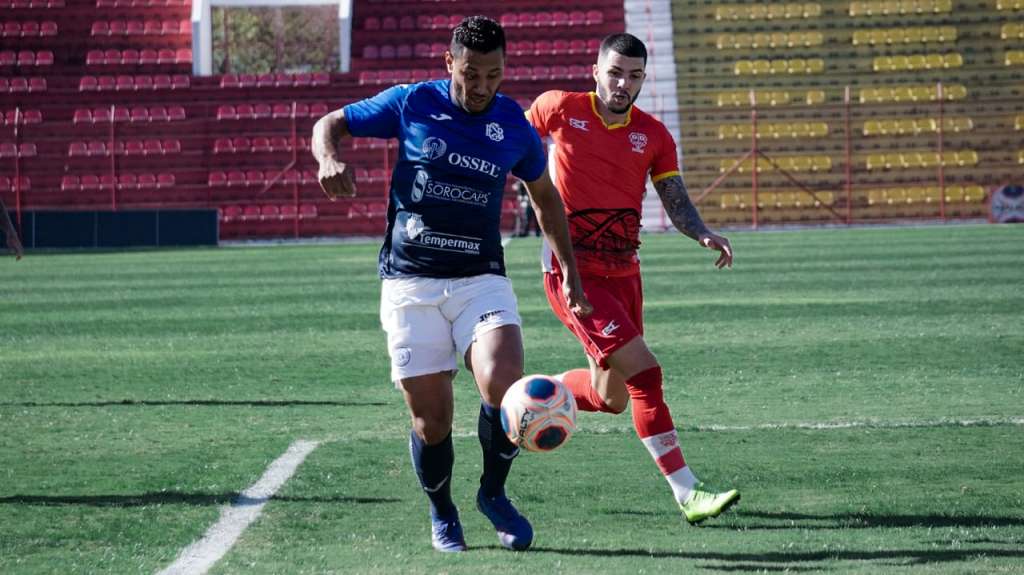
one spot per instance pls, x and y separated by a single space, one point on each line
432 429
616 404
495 380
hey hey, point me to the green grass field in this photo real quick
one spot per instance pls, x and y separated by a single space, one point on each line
863 388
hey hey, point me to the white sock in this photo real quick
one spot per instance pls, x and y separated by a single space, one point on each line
661 448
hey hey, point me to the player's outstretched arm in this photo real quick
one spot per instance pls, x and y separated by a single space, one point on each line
550 211
13 242
687 220
335 176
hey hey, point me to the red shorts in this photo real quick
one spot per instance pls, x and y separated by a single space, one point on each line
618 312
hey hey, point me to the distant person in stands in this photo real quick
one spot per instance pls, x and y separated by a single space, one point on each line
444 292
527 219
13 242
606 149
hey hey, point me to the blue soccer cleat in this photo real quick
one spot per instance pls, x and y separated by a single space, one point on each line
446 534
514 531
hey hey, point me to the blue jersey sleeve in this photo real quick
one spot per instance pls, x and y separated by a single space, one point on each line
379 116
534 161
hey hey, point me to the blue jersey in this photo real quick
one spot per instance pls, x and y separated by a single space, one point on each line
444 208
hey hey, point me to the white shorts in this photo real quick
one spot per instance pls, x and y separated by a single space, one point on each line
431 322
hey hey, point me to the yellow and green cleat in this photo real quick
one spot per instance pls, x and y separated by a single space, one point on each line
704 503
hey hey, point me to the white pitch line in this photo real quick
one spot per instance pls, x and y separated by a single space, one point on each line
200 556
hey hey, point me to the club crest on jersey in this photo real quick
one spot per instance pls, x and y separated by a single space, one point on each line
433 148
639 141
495 132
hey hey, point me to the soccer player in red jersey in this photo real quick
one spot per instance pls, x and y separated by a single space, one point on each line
605 149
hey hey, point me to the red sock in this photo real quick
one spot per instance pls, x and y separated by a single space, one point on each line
650 413
587 399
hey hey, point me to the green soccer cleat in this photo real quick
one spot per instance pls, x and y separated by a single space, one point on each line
703 503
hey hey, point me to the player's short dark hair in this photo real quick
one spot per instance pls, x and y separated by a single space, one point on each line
626 44
479 34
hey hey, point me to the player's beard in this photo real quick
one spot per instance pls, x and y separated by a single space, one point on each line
624 108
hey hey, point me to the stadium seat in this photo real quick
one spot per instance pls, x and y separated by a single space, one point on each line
231 214
250 213
270 212
307 211
217 179
69 183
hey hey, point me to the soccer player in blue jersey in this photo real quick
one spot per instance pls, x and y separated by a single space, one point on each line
444 291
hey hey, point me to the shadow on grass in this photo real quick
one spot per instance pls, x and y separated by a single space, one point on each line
780 561
196 402
768 520
172 498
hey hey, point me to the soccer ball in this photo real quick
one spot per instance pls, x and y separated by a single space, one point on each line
538 413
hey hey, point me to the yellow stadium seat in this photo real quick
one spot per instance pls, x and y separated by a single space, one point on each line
815 97
954 194
1018 122
761 67
730 201
812 10
934 61
776 11
765 200
955 92
821 164
952 60
1015 58
916 195
896 196
743 67
861 37
913 35
966 158
942 6
872 128
905 126
876 197
812 38
778 66
757 11
974 194
857 8
932 194
883 64
947 34
726 131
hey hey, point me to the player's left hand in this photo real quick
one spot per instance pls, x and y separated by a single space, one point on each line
572 289
720 243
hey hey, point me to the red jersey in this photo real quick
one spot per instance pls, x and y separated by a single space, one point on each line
601 172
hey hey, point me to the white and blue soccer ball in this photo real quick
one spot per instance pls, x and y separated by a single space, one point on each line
538 413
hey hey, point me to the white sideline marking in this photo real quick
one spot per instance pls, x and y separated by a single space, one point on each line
200 556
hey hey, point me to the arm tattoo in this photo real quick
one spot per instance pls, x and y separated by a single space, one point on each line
680 209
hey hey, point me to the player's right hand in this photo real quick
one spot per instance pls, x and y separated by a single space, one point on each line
336 179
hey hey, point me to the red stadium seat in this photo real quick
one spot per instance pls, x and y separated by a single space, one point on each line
250 213
97 148
229 81
226 112
241 144
78 149
148 57
176 113
165 180
254 178
140 114
281 111
270 212
289 212
216 179
152 148
231 214
128 182
91 182
371 23
147 181
130 57
48 28
82 116
265 81
261 111
161 82
68 184
124 83
171 146
594 17
261 144
143 82
88 84
280 144
307 211
303 79
223 146
543 19
165 56
134 148
180 82
236 178
158 114
44 58
94 58
245 111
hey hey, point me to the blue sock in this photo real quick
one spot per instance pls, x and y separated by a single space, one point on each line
433 465
498 451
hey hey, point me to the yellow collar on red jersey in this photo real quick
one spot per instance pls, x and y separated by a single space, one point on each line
593 106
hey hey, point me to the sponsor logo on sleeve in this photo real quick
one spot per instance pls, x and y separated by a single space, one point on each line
579 124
